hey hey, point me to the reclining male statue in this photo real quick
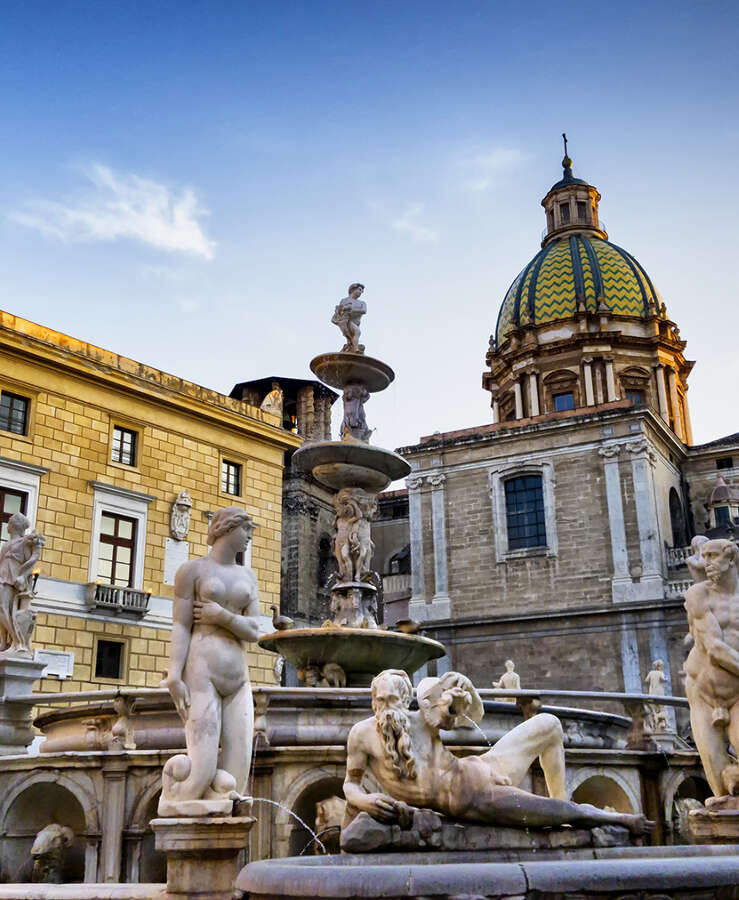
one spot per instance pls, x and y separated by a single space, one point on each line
403 753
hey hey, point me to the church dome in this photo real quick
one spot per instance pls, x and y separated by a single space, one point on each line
572 272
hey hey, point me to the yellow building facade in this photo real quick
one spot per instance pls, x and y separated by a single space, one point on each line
95 449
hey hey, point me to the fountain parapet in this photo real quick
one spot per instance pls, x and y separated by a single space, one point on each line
357 472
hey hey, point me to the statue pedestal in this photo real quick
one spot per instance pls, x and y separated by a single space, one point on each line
202 855
17 675
715 824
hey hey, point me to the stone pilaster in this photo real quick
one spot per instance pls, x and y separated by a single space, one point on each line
610 381
621 581
642 461
659 374
415 516
518 399
675 403
113 814
533 394
587 370
496 411
440 603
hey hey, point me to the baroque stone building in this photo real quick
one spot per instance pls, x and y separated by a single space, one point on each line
555 535
96 449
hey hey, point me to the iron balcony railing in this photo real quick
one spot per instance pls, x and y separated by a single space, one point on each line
117 599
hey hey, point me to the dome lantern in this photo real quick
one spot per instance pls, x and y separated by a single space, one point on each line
571 206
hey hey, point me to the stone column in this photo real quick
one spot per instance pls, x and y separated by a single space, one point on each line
533 394
659 373
651 582
304 412
319 417
588 376
621 581
688 425
675 403
496 411
418 587
518 399
440 604
114 803
610 381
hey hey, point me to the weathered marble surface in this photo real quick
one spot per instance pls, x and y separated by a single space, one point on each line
348 315
19 556
216 612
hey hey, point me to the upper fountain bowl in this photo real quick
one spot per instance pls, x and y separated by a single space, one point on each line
338 464
342 369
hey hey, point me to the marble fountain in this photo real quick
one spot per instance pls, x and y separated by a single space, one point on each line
423 826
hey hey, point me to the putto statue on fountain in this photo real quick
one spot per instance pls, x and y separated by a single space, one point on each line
353 545
347 315
421 783
215 614
19 556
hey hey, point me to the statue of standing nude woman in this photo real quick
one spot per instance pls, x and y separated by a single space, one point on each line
215 615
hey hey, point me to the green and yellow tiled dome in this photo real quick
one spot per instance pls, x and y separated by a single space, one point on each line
577 267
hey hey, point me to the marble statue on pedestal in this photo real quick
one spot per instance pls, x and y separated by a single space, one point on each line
712 666
19 555
509 680
657 719
411 770
353 545
347 315
274 400
215 614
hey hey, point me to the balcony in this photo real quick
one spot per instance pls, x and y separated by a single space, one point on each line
677 589
117 600
396 584
677 557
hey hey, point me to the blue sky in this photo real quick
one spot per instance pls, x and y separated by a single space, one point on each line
195 184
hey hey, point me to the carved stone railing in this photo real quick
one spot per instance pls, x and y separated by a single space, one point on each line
396 584
676 589
117 599
677 556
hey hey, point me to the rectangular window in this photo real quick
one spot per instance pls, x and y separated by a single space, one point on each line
123 448
524 500
564 213
116 551
109 657
564 402
231 478
581 210
726 462
722 515
11 502
636 397
13 412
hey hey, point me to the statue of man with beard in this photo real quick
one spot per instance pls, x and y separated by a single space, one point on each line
403 753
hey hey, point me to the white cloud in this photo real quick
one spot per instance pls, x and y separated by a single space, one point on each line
409 223
123 205
486 169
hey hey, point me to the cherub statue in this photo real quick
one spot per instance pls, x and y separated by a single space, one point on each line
18 558
353 545
354 424
347 315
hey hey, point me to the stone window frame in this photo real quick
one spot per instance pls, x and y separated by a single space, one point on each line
24 478
125 657
121 502
497 477
561 381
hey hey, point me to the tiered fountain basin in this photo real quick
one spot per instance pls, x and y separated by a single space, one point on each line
338 464
342 369
361 652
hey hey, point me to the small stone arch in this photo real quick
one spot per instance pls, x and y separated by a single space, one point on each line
308 789
683 783
143 863
32 803
603 787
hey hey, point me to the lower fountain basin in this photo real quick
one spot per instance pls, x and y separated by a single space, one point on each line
338 464
361 652
687 873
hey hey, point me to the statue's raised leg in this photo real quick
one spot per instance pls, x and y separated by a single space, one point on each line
710 740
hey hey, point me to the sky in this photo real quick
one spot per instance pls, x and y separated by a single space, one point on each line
195 184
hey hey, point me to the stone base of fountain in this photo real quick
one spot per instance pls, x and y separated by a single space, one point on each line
360 652
430 831
717 823
608 873
202 855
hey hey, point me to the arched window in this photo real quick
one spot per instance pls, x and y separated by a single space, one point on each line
524 504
